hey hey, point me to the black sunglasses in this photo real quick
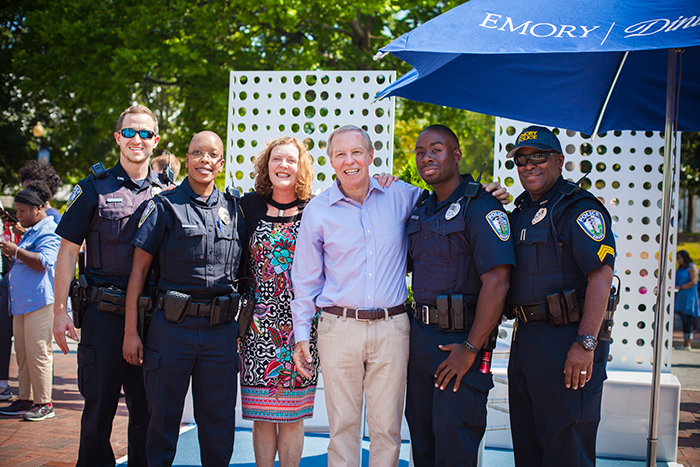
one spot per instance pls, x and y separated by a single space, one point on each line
130 133
536 158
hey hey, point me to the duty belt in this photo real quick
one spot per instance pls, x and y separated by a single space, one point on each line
529 313
201 309
428 315
365 314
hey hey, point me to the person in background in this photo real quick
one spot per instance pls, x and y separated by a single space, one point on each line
31 302
40 170
273 394
159 163
686 303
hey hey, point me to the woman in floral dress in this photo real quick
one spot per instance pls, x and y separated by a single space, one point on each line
273 394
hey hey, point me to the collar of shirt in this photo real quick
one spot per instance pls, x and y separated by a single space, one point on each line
434 205
544 199
213 199
336 195
123 178
38 227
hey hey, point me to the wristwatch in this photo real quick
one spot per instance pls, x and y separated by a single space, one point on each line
587 342
470 347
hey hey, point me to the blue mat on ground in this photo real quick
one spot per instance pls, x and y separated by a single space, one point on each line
316 446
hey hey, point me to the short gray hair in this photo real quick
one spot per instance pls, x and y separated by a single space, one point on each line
345 129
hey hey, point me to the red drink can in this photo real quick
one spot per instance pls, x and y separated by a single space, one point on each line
485 366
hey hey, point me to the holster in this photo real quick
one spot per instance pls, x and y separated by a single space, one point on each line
224 308
175 305
245 314
78 301
605 333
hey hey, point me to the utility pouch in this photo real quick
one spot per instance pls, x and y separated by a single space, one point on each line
175 305
556 315
443 311
111 301
458 312
224 309
77 302
573 306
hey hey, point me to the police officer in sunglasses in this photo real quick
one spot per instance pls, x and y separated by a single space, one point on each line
99 211
559 291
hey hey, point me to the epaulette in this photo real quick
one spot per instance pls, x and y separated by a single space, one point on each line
569 188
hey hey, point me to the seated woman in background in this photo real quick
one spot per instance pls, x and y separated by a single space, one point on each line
31 302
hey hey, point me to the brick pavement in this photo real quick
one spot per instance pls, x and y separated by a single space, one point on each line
53 442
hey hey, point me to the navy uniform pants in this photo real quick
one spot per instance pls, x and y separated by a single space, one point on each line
209 354
446 426
550 424
102 371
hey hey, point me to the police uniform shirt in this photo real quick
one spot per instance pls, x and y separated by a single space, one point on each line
450 255
587 244
81 208
198 242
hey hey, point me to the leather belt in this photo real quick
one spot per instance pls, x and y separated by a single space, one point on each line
529 313
200 309
366 314
428 315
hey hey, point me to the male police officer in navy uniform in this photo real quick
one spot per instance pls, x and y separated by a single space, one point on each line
462 252
98 211
196 230
559 292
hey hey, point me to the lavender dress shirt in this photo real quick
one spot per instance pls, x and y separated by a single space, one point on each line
349 254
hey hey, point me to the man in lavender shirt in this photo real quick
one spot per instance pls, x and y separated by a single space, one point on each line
350 262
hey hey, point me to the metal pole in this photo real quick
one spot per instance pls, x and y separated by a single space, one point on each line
660 312
610 91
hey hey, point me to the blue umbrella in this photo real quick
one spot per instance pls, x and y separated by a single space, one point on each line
584 65
556 63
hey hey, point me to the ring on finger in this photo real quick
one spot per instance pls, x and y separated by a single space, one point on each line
583 372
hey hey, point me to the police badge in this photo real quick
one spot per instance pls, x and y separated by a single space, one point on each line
224 215
541 213
452 211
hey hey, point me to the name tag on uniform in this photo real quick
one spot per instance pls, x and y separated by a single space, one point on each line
115 200
189 226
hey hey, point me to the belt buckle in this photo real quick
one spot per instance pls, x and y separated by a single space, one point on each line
357 317
520 313
425 314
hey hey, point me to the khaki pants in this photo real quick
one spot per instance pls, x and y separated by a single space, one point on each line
364 354
33 339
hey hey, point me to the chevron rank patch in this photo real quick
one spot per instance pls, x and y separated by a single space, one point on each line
604 251
147 212
499 223
75 194
592 223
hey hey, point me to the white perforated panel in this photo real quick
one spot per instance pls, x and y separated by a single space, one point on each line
308 105
626 173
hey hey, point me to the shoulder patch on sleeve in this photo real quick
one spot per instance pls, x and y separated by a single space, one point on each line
150 207
593 224
499 223
75 194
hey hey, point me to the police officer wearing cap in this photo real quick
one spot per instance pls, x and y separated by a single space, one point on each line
559 292
98 212
196 231
461 251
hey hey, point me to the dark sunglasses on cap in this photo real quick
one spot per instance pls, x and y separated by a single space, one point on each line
536 158
130 133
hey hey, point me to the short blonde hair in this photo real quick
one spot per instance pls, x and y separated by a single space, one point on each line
305 172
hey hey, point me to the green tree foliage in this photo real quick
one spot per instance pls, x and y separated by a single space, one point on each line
75 65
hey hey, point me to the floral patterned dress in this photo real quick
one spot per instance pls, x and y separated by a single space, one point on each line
271 388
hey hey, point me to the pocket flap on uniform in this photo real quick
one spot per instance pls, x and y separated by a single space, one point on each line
115 212
445 227
86 355
224 230
480 381
413 225
534 236
189 230
151 360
